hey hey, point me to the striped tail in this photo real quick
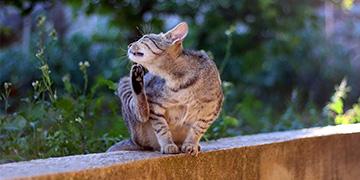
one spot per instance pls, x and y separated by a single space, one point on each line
124 145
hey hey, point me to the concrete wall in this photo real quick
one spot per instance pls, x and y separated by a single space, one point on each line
316 153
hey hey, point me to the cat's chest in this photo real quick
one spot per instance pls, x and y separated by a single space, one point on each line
184 96
158 90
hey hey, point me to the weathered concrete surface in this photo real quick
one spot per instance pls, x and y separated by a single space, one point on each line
318 153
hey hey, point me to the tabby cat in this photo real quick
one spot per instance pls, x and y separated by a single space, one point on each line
170 107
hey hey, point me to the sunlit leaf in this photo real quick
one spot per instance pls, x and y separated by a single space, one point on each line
337 107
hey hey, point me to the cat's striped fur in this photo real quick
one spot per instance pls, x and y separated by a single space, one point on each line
170 107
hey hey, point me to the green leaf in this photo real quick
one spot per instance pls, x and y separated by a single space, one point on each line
337 106
342 119
100 81
230 121
66 104
17 124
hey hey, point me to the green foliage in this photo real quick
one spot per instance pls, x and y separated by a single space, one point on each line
335 108
50 124
5 96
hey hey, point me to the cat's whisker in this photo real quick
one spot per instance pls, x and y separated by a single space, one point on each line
122 49
150 28
147 28
123 58
140 30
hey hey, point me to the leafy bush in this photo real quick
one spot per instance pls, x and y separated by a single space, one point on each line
53 122
335 109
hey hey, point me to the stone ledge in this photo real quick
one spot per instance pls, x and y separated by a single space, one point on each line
331 152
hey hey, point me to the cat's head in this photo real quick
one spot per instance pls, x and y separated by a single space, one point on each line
150 48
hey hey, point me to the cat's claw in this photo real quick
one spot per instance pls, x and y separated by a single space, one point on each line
137 78
170 149
191 149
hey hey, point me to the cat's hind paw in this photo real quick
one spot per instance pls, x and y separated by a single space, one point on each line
137 78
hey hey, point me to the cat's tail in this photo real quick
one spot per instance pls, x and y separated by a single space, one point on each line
124 145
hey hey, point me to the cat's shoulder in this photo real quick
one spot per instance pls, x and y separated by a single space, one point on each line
199 55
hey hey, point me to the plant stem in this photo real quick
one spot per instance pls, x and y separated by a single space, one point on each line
227 54
6 105
86 79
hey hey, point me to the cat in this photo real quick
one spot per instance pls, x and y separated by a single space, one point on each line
169 108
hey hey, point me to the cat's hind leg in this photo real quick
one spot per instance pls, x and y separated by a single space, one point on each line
196 131
132 95
137 85
135 108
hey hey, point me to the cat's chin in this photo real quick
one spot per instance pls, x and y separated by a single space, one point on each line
136 59
140 60
142 63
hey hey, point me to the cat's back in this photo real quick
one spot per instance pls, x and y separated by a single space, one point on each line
204 97
208 77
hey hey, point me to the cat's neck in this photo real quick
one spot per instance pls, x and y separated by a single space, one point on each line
175 71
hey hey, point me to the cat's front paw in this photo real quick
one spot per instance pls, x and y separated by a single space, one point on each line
137 78
189 148
170 149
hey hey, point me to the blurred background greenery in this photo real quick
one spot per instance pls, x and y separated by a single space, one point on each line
285 64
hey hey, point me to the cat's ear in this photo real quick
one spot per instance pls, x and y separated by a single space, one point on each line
178 33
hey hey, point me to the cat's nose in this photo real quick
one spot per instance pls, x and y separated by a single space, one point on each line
134 47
